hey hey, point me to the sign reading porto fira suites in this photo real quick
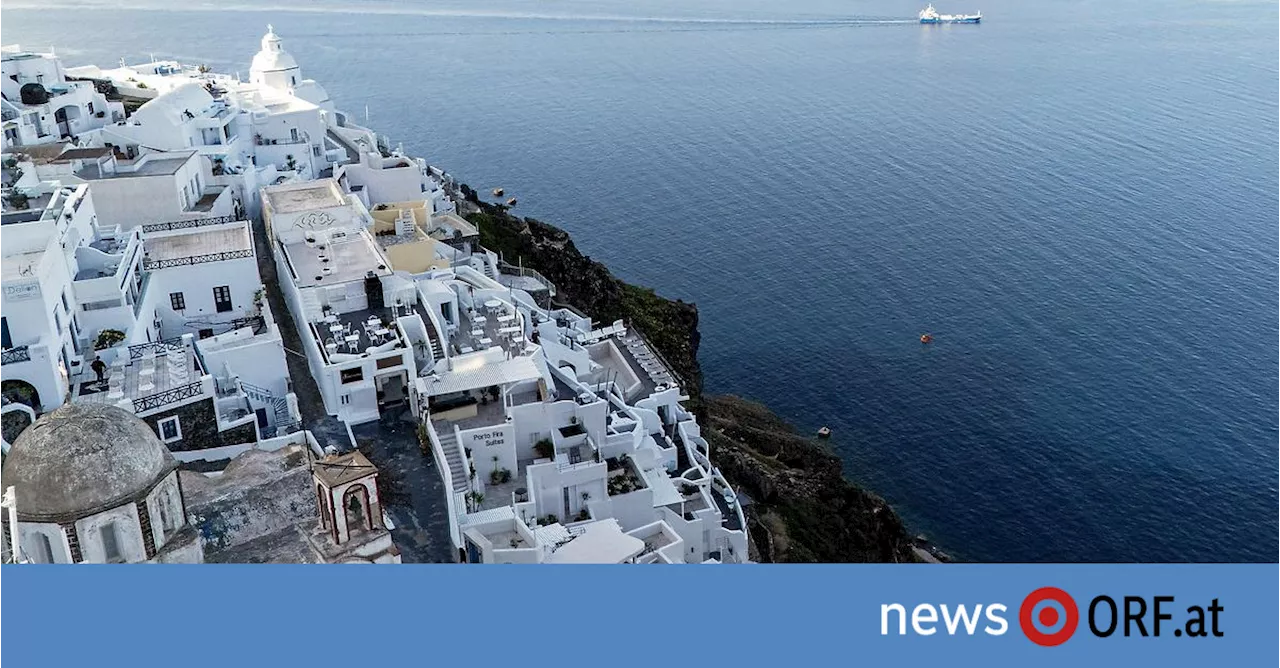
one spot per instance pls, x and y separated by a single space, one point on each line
490 437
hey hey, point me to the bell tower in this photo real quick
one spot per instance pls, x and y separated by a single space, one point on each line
273 66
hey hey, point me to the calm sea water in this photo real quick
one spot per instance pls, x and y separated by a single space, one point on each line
1078 199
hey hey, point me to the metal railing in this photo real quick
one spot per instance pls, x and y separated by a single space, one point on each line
187 224
15 355
152 265
165 398
156 348
528 273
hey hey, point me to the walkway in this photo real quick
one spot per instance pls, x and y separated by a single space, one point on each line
327 429
409 487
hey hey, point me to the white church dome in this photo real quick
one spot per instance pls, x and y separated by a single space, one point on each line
272 57
82 459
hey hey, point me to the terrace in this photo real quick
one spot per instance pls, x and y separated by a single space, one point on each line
497 323
357 332
149 375
208 244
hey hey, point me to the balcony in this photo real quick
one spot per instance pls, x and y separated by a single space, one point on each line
15 355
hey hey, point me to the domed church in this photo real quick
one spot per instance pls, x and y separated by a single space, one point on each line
273 67
92 483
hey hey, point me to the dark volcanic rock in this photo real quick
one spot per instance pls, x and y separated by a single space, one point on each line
804 509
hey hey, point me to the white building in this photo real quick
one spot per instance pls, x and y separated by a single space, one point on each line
44 338
173 311
570 444
40 105
357 319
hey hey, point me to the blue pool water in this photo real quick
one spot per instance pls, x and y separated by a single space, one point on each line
1078 199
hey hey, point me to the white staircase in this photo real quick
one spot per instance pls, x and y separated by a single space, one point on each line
454 457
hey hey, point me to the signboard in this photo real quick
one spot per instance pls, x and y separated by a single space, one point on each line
488 437
21 291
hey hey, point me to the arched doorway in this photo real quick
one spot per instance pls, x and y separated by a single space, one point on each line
64 117
355 506
22 392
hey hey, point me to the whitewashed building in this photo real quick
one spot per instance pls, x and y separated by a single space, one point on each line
357 319
40 105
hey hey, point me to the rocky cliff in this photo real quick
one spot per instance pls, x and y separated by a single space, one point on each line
803 509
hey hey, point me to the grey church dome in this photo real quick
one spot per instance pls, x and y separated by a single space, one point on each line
82 459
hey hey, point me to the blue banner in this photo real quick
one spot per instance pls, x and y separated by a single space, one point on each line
1050 615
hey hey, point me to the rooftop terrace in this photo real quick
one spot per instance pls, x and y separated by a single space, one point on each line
337 260
307 197
150 375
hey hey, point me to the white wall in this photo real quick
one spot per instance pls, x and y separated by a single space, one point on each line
128 535
485 444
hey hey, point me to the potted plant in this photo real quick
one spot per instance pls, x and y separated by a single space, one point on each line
107 338
545 448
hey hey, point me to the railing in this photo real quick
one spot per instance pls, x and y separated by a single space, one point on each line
156 348
187 224
260 393
15 355
173 396
528 273
151 265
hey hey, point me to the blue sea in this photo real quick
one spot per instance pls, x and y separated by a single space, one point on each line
1077 199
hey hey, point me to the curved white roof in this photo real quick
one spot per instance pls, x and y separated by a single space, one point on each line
272 57
170 105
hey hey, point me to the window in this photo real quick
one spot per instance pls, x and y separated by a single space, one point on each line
110 542
352 375
90 108
315 150
293 134
177 301
4 333
57 320
222 298
170 429
43 550
388 362
66 305
293 81
346 399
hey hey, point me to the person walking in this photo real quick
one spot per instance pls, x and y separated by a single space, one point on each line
99 367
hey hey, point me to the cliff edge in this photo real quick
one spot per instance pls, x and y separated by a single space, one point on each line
802 509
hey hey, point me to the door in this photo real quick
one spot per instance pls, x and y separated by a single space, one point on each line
222 298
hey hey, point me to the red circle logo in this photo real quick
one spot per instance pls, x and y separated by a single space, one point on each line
1048 616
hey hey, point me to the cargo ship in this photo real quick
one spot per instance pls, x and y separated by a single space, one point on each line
931 15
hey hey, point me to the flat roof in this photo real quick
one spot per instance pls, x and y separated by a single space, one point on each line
22 265
151 166
293 198
337 260
198 242
513 370
602 543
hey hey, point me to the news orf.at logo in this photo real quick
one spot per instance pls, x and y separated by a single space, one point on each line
1048 616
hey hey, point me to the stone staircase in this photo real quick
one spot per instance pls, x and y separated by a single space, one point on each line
454 456
279 405
437 348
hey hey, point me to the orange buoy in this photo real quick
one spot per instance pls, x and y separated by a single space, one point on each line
926 338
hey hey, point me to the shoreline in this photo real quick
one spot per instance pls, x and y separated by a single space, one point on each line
802 508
